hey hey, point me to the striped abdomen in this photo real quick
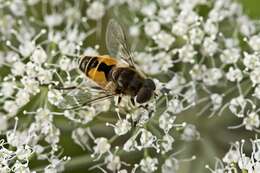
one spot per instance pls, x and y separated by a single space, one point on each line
97 68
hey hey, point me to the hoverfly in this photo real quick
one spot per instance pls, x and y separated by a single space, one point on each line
114 74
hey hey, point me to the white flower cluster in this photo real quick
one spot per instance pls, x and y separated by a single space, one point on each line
193 57
236 160
180 38
20 146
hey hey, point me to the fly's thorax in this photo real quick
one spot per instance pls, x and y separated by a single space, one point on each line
128 80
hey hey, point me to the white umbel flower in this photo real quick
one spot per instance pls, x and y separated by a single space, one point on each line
149 164
96 10
149 9
234 74
251 121
212 76
18 68
39 56
255 76
122 127
254 42
151 28
164 40
230 56
251 61
53 20
102 146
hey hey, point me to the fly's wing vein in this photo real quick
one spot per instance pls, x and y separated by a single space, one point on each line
79 99
116 42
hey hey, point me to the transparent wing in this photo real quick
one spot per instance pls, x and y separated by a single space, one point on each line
116 42
78 99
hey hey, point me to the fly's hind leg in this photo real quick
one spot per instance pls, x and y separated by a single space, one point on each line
118 101
132 101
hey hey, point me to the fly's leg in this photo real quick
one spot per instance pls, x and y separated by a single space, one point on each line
118 101
132 101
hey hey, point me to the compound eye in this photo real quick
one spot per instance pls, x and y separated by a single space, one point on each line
143 95
148 83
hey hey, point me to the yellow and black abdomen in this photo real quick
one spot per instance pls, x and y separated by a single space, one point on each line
97 68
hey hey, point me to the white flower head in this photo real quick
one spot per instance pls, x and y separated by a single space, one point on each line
53 20
152 27
80 137
149 9
113 162
165 2
251 121
65 64
231 156
7 89
11 107
90 51
166 121
22 97
187 54
244 163
102 146
30 84
26 48
230 55
179 28
164 40
149 164
122 126
234 74
18 68
134 31
190 133
147 139
11 57
246 26
55 97
216 100
167 142
237 106
255 76
176 83
39 55
166 15
212 76
130 145
197 72
251 61
211 28
171 165
23 152
96 10
175 106
254 42
18 7
209 46
196 35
